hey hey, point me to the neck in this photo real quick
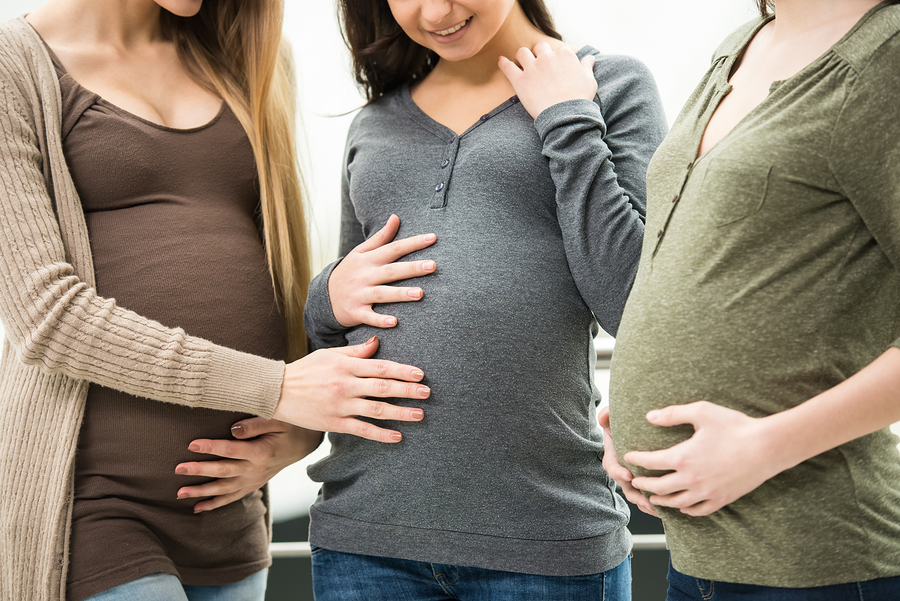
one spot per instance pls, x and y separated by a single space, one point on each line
118 23
517 31
800 17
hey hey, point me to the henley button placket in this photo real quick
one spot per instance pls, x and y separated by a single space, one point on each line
444 172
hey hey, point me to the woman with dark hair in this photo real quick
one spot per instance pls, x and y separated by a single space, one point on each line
766 305
532 181
154 249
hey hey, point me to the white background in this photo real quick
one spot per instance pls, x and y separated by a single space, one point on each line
675 39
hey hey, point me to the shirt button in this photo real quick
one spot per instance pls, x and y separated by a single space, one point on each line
514 99
600 455
445 163
659 234
485 117
674 199
439 187
691 164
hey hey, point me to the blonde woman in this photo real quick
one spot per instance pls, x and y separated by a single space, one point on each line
153 249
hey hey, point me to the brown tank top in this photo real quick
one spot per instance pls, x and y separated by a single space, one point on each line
172 221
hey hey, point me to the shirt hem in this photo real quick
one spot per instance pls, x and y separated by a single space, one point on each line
577 557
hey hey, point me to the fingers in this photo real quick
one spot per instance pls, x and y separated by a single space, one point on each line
366 430
638 499
257 426
652 460
220 501
663 485
404 270
603 418
361 351
542 48
389 253
382 236
225 468
509 68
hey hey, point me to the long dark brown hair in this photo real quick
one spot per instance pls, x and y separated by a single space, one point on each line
235 48
765 6
384 57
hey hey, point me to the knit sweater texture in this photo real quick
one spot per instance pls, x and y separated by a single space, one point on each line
62 336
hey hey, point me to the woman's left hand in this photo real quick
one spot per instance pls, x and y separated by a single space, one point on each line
548 77
264 448
727 457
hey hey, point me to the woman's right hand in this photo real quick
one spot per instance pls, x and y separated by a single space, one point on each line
617 471
328 390
358 281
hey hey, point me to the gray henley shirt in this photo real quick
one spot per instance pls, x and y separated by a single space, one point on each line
539 226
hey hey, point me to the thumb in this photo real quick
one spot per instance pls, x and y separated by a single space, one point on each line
674 415
256 426
361 351
588 64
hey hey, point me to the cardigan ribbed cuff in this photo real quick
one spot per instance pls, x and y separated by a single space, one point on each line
242 382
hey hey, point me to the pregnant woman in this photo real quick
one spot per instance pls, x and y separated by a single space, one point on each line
154 265
756 370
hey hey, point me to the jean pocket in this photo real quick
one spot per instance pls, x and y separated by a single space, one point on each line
734 190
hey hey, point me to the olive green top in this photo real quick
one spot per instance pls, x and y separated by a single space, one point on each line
769 274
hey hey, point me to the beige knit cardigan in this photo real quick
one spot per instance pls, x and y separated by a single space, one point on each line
61 336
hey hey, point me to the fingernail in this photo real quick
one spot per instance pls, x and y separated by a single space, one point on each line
181 470
182 495
390 321
415 293
371 340
196 511
194 447
237 430
430 237
418 374
428 265
653 415
424 391
396 437
417 414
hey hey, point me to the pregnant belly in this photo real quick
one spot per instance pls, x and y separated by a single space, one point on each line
128 447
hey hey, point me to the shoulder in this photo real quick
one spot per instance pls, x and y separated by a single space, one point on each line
23 57
738 39
375 114
623 82
619 71
874 44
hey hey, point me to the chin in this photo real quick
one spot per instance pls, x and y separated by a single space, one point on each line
181 8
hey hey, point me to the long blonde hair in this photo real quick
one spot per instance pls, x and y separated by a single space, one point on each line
235 48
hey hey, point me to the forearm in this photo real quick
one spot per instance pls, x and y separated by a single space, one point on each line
864 403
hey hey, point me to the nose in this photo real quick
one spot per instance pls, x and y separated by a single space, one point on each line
434 11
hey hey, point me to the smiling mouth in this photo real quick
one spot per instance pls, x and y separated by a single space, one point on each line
453 29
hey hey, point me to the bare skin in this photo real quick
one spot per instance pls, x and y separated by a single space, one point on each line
115 48
730 453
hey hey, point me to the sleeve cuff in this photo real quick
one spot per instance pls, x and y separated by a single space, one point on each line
567 112
242 382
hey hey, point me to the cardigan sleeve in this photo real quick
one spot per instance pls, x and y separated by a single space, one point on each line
58 323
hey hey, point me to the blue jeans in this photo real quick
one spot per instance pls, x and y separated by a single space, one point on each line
349 577
688 588
165 587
